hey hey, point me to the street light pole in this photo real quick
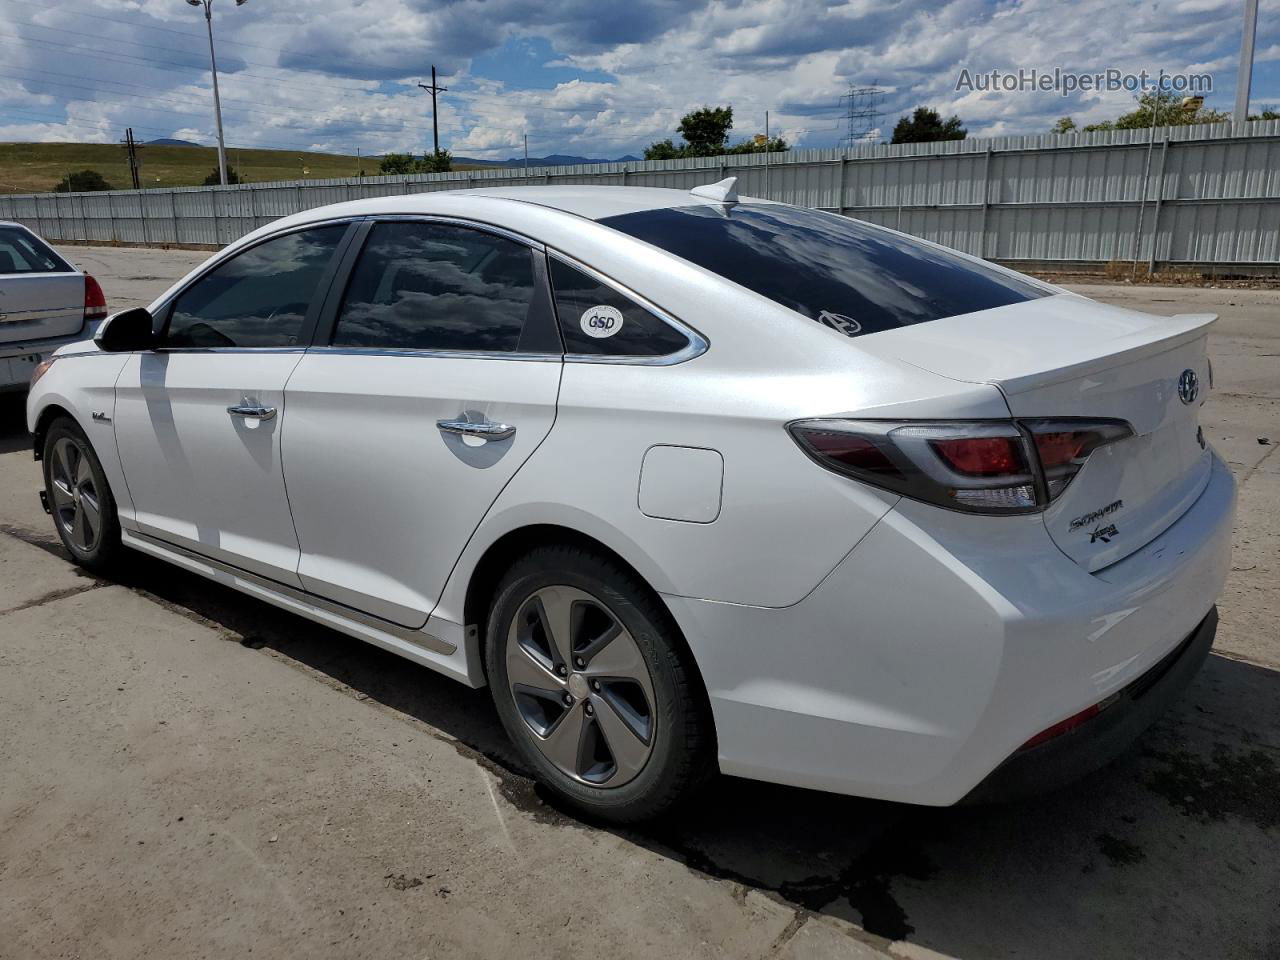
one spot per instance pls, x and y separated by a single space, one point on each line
1245 76
217 100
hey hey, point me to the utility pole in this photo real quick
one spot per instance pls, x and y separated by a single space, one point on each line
435 126
217 100
766 154
1245 79
526 154
131 149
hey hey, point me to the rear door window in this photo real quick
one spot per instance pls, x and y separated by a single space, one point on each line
597 320
420 285
851 276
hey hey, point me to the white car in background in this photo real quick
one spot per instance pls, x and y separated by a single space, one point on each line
45 303
689 481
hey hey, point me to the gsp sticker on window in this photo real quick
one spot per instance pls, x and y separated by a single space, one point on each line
602 321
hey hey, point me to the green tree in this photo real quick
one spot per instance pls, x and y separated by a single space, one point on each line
926 125
663 150
440 162
760 145
1268 113
402 164
82 181
1064 125
1166 109
706 134
397 164
215 178
706 131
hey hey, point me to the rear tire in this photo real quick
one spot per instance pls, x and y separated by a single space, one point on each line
84 511
595 686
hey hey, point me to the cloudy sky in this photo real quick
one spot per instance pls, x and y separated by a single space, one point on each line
582 77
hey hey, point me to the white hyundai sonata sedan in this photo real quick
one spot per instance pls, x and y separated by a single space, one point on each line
691 482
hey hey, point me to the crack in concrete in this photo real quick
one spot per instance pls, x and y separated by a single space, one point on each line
55 595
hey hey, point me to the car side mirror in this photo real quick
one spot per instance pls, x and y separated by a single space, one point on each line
127 331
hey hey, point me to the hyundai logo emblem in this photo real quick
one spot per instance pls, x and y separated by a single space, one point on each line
1188 386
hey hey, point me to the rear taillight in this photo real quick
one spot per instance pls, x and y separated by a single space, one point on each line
1064 445
95 302
980 466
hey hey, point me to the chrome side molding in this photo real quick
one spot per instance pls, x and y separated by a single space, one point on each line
285 595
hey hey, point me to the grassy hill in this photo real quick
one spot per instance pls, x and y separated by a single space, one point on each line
37 167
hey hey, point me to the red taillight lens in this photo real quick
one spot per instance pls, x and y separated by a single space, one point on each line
979 466
1064 445
850 450
1059 448
95 301
982 456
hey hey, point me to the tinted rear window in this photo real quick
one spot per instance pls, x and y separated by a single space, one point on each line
854 277
23 252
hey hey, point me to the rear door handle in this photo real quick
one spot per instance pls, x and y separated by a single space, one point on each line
487 429
251 411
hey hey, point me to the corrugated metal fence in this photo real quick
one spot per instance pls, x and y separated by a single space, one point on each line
1204 195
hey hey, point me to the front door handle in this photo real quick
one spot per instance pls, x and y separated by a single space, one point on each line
487 429
251 411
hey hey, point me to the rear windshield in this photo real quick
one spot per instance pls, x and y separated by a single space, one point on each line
854 277
23 252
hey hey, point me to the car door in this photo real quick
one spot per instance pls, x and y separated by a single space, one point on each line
436 380
198 420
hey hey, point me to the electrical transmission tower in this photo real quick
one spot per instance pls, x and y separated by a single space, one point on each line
862 114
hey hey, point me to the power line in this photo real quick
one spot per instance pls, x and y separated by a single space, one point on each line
142 26
144 102
161 131
135 43
471 99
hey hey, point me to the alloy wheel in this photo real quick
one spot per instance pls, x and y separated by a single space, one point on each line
77 505
581 685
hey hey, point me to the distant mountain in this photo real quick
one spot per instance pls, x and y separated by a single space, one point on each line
554 160
170 142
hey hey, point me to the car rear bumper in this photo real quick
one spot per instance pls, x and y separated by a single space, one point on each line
944 642
1106 735
19 359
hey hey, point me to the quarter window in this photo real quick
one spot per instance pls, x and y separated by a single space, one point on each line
596 319
437 286
259 298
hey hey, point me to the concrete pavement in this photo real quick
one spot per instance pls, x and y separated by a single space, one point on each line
187 772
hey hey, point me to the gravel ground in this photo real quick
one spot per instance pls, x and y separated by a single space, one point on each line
186 772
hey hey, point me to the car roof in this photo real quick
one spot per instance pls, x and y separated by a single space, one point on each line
596 202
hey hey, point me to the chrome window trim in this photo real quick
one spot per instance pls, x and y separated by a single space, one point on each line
455 221
479 225
228 350
439 354
231 250
696 344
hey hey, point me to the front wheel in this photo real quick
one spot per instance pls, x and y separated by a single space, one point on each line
595 687
84 511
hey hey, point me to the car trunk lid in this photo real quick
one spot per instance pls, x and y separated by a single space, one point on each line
1067 356
39 306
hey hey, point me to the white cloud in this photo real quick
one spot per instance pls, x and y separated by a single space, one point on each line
313 74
